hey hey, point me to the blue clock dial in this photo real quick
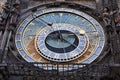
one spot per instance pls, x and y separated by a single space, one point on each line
60 43
61 35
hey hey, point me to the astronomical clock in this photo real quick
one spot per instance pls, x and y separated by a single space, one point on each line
60 35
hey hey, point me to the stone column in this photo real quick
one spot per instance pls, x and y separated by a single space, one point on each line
99 5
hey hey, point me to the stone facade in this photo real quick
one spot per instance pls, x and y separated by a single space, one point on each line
2 2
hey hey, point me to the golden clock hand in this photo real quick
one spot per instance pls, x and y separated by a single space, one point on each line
53 37
68 42
35 16
71 34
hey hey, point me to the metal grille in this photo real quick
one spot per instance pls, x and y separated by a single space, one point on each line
43 69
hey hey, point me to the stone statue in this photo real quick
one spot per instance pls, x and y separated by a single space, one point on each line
15 14
106 16
117 19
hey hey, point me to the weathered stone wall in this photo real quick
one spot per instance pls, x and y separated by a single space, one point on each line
90 3
118 1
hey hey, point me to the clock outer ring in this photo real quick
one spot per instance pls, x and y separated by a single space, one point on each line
92 20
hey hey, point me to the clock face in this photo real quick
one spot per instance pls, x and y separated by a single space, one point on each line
60 35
